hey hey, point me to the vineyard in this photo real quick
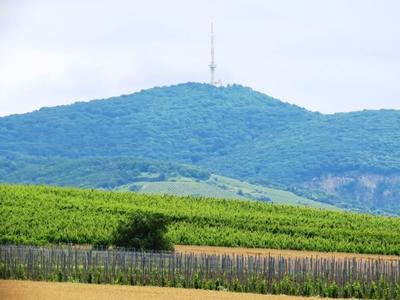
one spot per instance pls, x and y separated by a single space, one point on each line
345 278
41 215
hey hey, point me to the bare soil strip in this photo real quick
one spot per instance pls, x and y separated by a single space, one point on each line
34 290
277 252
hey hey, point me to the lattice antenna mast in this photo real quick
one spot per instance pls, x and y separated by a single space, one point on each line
212 64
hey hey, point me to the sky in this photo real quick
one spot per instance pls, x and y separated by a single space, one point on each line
324 55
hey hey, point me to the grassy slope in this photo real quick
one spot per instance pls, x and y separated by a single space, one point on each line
40 215
187 188
276 195
223 187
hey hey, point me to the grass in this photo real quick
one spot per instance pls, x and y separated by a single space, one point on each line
276 195
187 188
222 187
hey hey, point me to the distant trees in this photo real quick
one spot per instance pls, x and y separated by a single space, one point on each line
93 172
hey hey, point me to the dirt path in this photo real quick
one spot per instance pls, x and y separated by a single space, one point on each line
276 252
34 290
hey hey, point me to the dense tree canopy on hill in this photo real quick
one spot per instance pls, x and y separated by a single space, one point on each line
232 131
92 172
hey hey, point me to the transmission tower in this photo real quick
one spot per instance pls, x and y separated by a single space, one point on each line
212 65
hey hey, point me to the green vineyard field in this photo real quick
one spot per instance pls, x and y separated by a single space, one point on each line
41 215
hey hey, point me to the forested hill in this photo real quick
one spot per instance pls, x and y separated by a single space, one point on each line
349 159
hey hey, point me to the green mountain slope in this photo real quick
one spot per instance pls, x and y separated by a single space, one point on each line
349 159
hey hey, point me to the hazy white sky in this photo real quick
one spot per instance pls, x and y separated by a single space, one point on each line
325 55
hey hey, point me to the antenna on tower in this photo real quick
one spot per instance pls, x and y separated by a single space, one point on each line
212 65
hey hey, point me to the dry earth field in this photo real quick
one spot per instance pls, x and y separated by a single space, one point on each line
278 252
34 290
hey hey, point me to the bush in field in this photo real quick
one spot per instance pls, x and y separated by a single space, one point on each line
144 230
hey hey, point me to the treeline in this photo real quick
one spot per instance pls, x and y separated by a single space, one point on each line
41 215
90 172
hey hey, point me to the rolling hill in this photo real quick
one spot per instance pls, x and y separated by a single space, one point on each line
350 160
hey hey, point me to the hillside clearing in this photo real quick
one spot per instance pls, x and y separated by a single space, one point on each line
221 187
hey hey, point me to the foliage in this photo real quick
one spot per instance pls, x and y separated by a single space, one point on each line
231 131
143 230
92 172
41 215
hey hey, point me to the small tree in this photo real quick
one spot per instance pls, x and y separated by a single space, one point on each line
144 230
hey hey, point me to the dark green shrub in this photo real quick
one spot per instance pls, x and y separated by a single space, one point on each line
237 287
164 281
209 285
197 284
320 288
347 291
308 288
145 231
382 287
275 288
89 278
332 290
357 290
261 287
59 276
219 284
